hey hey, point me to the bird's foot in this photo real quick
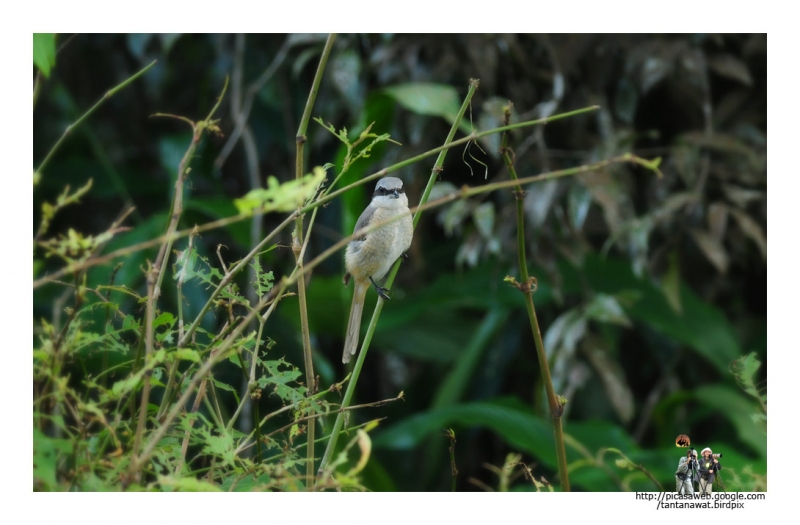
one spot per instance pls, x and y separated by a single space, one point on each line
381 290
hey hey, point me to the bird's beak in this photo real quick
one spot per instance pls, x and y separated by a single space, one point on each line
395 194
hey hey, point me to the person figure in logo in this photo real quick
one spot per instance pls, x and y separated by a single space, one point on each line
709 466
687 473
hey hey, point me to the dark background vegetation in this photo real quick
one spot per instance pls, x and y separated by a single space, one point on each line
648 288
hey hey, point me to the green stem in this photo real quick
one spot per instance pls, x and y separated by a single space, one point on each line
446 146
110 93
463 193
37 87
155 275
329 451
297 248
301 130
527 286
122 252
233 272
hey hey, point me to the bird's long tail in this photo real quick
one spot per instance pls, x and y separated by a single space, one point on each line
354 325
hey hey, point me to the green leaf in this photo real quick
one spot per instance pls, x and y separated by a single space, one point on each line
281 197
613 377
187 484
701 326
264 281
456 382
520 429
731 404
227 388
164 319
186 354
280 380
133 382
423 98
220 446
347 77
44 52
744 369
47 452
247 483
130 323
606 309
484 218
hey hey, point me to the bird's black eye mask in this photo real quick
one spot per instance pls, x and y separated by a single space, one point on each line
384 191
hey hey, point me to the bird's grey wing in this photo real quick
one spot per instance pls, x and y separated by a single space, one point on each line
363 222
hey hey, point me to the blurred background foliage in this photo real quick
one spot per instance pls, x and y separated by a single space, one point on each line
648 288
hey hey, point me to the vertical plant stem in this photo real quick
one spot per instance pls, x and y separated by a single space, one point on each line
219 354
348 396
526 287
155 274
453 470
297 248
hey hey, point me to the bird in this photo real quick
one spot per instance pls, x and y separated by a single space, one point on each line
369 256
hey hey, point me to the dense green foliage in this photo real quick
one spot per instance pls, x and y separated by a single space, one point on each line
651 291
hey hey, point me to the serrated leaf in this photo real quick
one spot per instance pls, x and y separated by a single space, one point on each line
187 354
280 380
165 318
263 281
287 196
130 323
744 370
221 446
